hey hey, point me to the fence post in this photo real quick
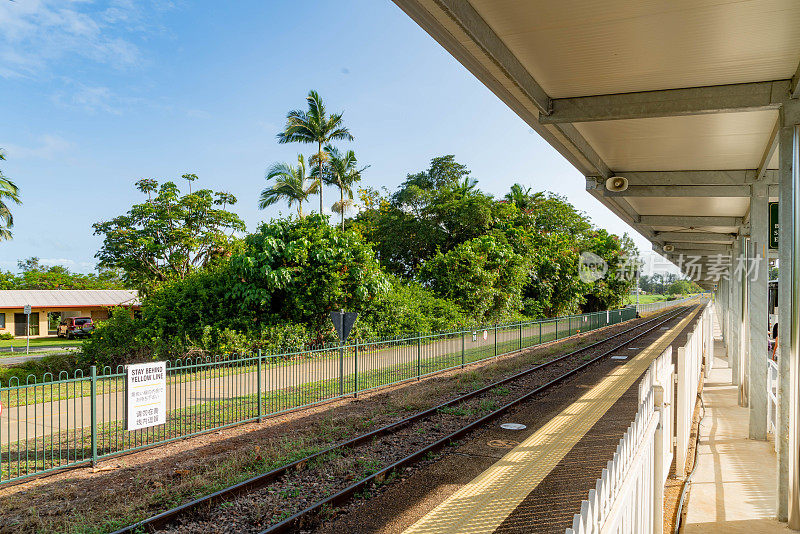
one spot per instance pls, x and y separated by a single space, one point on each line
658 464
258 384
341 369
355 369
419 356
556 328
540 332
495 340
520 336
94 413
462 348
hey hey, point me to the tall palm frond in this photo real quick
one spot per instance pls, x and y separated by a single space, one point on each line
341 171
314 126
343 206
522 197
8 192
290 184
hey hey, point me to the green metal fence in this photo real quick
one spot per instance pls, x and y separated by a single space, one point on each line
62 421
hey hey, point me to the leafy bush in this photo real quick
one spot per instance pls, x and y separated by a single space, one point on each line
408 308
298 271
55 364
182 309
484 276
6 336
224 341
118 340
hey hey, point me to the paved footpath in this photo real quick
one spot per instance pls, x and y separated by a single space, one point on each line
43 419
734 487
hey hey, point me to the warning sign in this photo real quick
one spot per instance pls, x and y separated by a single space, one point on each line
147 395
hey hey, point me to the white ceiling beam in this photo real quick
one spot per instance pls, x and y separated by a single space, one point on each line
482 35
681 191
766 157
738 97
794 88
701 249
689 221
693 237
722 177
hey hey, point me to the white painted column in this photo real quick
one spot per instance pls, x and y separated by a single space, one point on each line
740 265
757 310
735 322
785 441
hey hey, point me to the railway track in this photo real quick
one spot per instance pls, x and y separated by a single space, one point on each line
199 515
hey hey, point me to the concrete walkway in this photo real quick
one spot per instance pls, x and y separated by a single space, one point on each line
734 486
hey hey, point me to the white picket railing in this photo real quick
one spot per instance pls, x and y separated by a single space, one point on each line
699 349
628 498
772 396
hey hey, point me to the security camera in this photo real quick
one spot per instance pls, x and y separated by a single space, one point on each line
617 183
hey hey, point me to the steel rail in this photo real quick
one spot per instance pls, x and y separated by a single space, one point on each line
296 521
159 520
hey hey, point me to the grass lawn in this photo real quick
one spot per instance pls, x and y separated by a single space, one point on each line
40 342
645 299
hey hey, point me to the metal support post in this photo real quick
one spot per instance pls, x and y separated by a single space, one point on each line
744 352
757 311
341 368
93 403
792 331
495 340
355 369
419 357
258 385
462 349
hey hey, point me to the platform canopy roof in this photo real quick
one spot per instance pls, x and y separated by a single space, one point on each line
683 98
68 298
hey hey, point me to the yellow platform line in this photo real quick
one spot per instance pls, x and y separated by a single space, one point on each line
486 501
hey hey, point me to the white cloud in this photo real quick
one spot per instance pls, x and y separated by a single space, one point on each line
198 114
48 147
64 262
38 34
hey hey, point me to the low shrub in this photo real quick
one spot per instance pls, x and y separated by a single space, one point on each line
5 336
115 341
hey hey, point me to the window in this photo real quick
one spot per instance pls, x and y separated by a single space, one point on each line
2 320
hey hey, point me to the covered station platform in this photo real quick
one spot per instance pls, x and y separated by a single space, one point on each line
684 118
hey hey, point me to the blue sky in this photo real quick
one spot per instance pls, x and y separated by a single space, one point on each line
97 95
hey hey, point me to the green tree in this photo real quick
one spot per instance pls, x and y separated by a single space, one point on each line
34 275
620 255
314 126
434 210
8 192
169 235
290 184
342 171
521 197
484 276
683 287
300 270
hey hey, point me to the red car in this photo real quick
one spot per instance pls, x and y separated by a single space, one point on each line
71 327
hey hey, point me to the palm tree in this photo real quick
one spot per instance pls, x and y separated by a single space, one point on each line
290 185
314 126
343 173
521 197
10 191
